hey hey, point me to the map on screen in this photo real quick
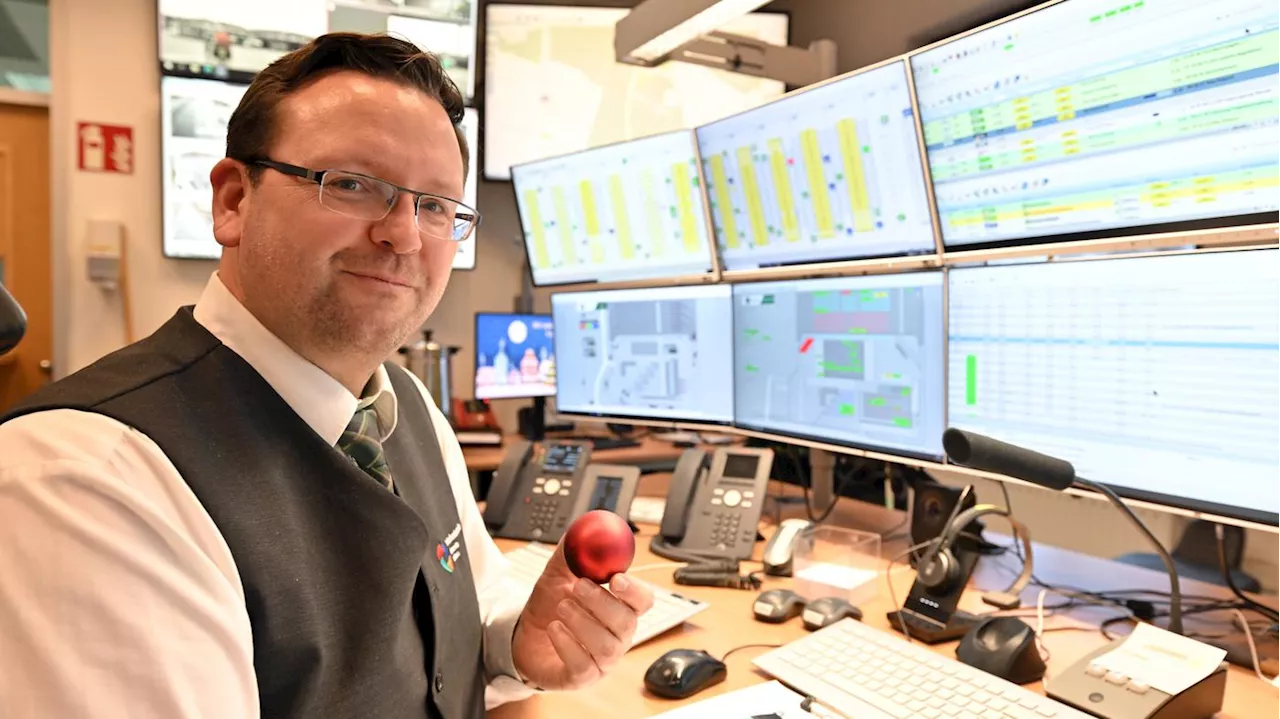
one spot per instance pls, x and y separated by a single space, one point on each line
553 87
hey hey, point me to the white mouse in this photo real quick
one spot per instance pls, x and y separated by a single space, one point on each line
781 547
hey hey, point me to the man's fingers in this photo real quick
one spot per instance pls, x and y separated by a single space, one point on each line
581 667
605 648
613 612
637 596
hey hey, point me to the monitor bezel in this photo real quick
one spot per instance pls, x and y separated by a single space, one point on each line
1226 223
475 354
651 420
711 275
1166 502
891 262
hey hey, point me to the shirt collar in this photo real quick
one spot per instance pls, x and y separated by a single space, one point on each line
319 399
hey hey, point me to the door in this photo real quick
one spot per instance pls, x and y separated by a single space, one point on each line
25 262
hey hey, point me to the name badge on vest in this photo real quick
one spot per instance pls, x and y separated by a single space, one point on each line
449 552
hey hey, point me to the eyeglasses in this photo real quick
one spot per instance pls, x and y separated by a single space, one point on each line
365 197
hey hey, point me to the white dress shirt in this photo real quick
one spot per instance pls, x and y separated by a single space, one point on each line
118 595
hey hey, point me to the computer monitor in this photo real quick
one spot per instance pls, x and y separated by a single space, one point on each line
1091 118
193 138
515 356
554 87
446 29
628 211
832 173
854 361
1158 376
662 353
234 39
465 259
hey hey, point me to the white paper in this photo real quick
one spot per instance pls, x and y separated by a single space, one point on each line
1163 660
648 510
836 575
770 698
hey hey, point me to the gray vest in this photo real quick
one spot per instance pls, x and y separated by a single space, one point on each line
361 602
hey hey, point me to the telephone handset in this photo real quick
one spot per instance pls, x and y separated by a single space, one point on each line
714 504
539 488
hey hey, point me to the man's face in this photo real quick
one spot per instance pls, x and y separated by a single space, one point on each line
326 283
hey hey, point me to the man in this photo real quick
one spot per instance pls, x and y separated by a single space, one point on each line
248 513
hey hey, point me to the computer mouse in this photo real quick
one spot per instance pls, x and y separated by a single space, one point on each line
828 610
1004 647
778 605
683 672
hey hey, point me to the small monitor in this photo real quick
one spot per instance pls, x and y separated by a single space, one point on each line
1093 118
628 211
827 174
1158 376
446 29
234 39
553 86
515 356
193 122
662 353
854 361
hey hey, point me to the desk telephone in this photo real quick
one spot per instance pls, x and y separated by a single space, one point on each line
714 503
540 487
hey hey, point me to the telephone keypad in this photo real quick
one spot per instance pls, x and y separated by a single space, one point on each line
724 533
544 515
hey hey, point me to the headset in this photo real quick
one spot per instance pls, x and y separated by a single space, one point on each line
940 570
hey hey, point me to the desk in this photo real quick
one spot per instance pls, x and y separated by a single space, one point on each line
487 458
730 623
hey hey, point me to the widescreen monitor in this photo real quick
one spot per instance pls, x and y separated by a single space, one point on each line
854 361
1158 376
628 211
234 39
515 356
662 353
445 28
1092 118
827 174
552 84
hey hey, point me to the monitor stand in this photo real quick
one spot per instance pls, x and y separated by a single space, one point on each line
533 420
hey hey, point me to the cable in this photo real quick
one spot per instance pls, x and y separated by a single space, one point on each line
1262 609
1044 651
1248 635
748 646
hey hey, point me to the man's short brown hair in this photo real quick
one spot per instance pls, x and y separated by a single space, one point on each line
251 129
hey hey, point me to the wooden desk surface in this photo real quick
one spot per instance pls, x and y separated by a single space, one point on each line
729 623
487 458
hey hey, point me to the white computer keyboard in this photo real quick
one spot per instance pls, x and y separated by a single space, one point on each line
669 610
868 674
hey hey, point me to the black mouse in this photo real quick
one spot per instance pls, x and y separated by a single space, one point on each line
777 605
828 610
683 672
1004 647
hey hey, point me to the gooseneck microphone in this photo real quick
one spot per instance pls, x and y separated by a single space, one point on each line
13 321
991 455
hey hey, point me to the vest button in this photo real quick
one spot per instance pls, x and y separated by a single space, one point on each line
439 682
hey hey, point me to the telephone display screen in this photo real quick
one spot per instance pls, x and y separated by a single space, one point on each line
741 466
605 494
562 458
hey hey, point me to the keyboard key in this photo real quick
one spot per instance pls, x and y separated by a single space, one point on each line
1116 678
982 697
1137 687
964 691
915 705
992 714
930 713
1047 711
997 704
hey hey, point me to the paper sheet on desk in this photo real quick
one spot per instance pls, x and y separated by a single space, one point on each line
770 699
1163 660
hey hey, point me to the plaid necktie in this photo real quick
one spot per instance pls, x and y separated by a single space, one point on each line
360 441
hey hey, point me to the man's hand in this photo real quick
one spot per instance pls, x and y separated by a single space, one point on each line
573 630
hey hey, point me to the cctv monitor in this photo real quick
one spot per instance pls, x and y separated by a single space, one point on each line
1088 119
234 39
854 361
662 353
553 87
629 211
515 356
1158 376
825 174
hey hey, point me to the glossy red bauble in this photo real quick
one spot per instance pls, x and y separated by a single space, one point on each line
598 545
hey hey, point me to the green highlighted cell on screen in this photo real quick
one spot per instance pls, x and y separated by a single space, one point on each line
971 380
904 422
846 409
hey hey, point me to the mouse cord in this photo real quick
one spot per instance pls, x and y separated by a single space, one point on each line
1253 648
1044 651
748 646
